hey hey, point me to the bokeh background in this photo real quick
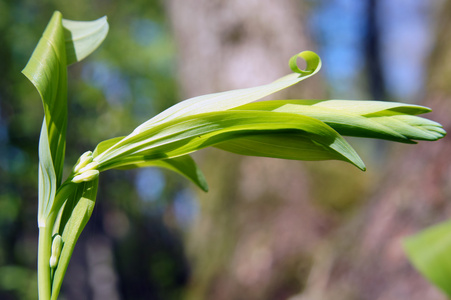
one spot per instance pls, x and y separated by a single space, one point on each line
268 228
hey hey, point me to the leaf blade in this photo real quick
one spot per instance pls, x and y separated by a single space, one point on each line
46 69
77 211
83 37
378 119
185 135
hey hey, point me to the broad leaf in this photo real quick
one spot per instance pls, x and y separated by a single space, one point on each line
185 135
429 251
230 99
280 145
46 69
372 119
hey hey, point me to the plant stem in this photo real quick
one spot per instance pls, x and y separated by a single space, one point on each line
44 280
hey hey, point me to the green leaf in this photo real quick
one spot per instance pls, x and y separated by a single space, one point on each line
230 99
46 69
47 178
105 145
280 145
372 119
429 251
82 37
185 135
76 212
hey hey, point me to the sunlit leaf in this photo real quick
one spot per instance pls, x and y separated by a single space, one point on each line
371 119
429 251
185 135
280 145
105 145
46 69
82 37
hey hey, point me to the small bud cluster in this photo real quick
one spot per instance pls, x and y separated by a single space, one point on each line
85 169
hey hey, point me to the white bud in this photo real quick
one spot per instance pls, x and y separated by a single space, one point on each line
57 245
86 176
91 166
84 159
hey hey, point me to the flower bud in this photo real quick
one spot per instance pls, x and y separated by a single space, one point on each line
86 176
91 166
57 245
84 159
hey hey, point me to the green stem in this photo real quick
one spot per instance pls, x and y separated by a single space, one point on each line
44 253
44 249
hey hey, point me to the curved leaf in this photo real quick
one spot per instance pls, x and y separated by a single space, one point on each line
230 99
185 135
82 37
280 145
46 69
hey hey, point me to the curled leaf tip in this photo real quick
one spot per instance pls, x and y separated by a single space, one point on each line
83 37
311 58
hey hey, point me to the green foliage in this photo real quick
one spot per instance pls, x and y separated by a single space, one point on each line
47 70
372 119
429 251
75 214
287 129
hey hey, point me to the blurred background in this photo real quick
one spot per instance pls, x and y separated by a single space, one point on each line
268 228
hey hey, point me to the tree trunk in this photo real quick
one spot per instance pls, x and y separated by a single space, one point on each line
257 228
